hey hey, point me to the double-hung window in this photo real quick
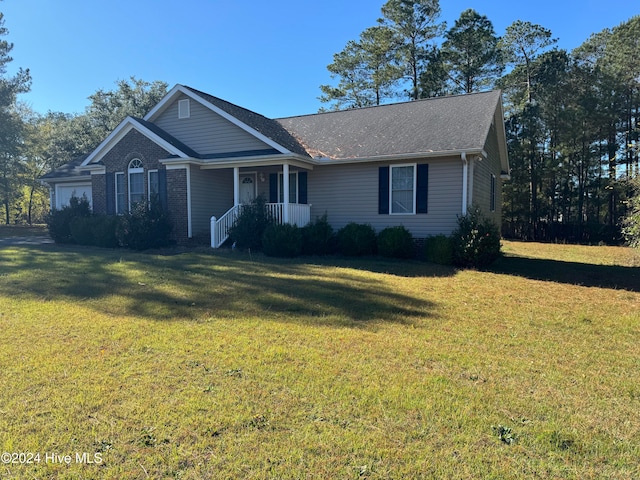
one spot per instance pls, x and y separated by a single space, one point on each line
136 182
293 187
402 188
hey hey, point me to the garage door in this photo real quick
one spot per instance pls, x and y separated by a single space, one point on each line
65 192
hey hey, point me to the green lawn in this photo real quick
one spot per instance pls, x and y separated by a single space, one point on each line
219 365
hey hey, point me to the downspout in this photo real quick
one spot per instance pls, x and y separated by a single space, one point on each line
472 166
465 186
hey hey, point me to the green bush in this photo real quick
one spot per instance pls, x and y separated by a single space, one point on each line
318 238
250 225
439 249
356 239
631 223
104 228
282 241
145 227
476 241
81 230
396 242
98 230
59 221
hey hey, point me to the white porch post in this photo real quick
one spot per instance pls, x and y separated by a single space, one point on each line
236 186
285 186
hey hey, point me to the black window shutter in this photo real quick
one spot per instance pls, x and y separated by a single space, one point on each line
110 187
302 187
383 190
273 188
422 187
162 189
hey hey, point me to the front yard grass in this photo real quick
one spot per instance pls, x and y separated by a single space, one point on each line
203 365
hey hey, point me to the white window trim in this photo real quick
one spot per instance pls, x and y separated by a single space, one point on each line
134 171
415 185
184 108
281 182
115 187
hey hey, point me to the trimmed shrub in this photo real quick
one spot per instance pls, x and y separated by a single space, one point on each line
396 242
250 225
476 241
282 241
98 230
439 249
318 238
144 228
104 230
59 221
81 230
356 239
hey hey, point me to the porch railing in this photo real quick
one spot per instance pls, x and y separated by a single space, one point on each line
299 214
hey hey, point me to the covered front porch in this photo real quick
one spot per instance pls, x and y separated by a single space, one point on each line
287 195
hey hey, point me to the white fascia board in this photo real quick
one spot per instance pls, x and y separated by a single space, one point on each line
164 103
118 134
401 156
259 161
180 89
53 181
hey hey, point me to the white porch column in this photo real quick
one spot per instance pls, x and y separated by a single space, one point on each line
285 186
236 186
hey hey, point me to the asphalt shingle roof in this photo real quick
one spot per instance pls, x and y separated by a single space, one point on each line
440 124
68 170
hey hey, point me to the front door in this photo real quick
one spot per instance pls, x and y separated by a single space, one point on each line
247 188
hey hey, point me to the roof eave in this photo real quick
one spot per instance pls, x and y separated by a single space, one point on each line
250 161
401 156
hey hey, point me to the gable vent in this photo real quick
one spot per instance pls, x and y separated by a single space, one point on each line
184 108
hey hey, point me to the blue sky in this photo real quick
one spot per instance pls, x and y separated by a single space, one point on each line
268 56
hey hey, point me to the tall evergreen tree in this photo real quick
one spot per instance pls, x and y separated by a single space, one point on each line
521 44
366 70
471 53
10 124
415 24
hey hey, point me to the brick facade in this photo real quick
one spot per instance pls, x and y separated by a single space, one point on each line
136 145
99 194
177 202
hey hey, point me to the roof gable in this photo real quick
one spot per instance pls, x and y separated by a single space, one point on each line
153 133
264 129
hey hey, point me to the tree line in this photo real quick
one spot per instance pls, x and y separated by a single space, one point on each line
571 116
32 144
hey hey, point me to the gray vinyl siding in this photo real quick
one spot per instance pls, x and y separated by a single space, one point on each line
205 131
211 194
482 179
349 193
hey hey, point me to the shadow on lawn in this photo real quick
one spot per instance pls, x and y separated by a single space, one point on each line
200 286
583 274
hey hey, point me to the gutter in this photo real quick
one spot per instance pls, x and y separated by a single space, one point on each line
401 156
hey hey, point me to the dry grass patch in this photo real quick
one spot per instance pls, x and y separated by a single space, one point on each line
228 366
